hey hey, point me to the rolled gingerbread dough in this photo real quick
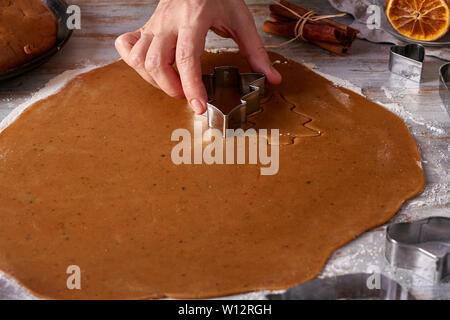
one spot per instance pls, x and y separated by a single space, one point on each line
86 179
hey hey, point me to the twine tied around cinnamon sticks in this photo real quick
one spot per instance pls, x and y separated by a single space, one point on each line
295 22
309 16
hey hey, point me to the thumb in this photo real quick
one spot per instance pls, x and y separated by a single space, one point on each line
259 62
253 50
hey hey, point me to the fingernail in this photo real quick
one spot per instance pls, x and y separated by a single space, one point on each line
197 106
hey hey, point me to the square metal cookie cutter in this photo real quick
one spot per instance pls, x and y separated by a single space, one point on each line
251 86
444 89
422 246
407 61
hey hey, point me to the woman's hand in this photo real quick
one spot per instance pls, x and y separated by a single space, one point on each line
177 31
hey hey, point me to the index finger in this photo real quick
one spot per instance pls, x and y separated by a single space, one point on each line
190 46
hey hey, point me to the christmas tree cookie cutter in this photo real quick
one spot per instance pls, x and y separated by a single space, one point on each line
251 87
422 246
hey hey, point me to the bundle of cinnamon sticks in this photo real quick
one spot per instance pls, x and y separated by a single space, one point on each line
325 33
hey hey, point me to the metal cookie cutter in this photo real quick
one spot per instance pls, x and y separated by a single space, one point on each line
407 61
349 286
444 90
422 246
251 87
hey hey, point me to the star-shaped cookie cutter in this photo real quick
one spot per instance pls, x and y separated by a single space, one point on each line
251 86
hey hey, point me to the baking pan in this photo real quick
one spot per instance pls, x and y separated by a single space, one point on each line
59 9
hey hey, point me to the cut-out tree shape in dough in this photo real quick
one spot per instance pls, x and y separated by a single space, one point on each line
278 113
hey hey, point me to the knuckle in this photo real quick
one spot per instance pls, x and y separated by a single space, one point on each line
191 89
261 50
145 29
119 41
255 52
153 63
134 60
185 54
192 92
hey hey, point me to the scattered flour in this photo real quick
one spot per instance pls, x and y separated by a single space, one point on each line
407 115
51 88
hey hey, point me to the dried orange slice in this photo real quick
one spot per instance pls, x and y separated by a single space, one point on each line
425 20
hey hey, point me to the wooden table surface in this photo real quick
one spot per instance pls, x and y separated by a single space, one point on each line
366 67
